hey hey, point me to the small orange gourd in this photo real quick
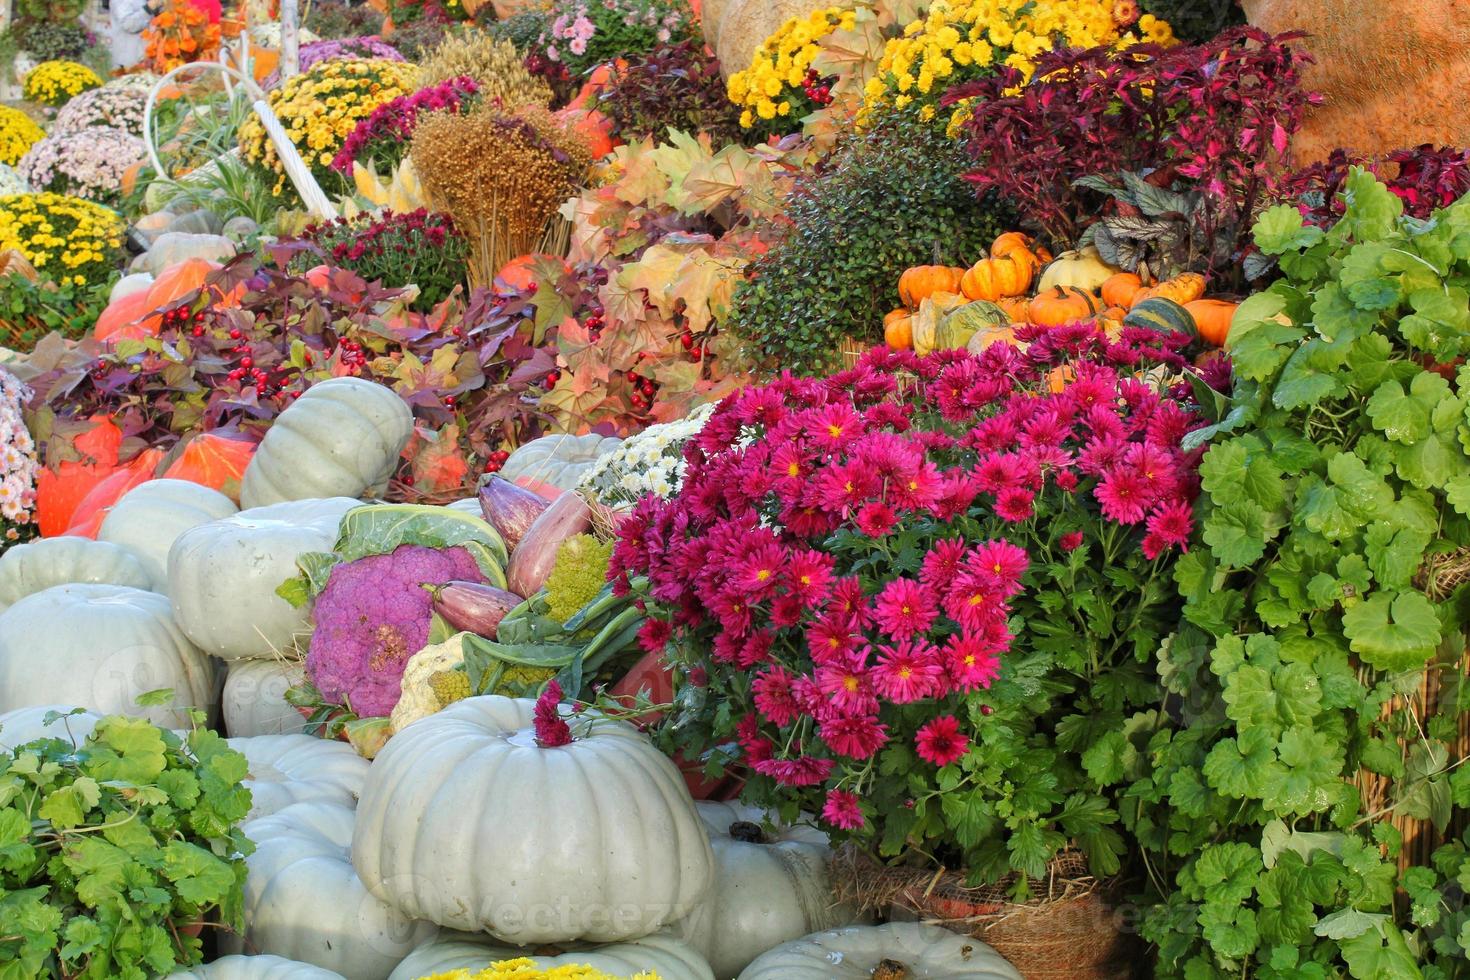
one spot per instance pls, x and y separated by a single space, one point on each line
1061 304
1016 307
992 279
922 281
898 329
1183 289
1017 246
1122 290
1212 319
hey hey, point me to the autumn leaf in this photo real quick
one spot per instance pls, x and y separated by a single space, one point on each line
644 178
436 460
575 398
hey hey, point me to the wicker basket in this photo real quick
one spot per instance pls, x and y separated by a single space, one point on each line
852 351
1072 929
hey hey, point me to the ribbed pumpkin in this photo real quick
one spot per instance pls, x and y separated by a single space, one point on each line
922 281
898 329
1122 290
1018 308
1212 319
1061 304
1183 288
1021 249
1162 315
991 279
214 461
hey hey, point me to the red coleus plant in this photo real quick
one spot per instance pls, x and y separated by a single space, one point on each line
921 594
1215 117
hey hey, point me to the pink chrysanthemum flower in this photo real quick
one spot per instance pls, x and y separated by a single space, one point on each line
773 698
904 608
970 662
1172 522
1123 494
876 519
941 742
907 672
843 810
855 736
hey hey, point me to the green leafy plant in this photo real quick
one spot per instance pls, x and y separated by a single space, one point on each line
229 189
113 845
1317 687
31 309
893 198
522 28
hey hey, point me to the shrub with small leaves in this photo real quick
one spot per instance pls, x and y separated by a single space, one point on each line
893 198
676 87
114 845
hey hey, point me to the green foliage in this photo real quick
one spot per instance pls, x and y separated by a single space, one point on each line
1337 474
110 847
31 310
229 189
892 198
1196 20
522 29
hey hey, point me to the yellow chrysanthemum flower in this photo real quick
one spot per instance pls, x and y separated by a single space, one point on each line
774 83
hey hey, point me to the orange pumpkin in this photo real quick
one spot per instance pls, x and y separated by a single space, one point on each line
1015 307
595 129
1212 319
178 281
87 519
519 274
990 279
215 461
1061 304
123 318
1183 289
1018 247
1122 290
922 281
898 329
1059 377
60 490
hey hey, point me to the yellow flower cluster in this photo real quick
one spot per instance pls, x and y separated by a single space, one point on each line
961 40
772 85
525 968
17 132
65 238
319 109
54 83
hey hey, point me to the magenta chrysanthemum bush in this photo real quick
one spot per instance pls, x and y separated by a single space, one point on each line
383 138
920 598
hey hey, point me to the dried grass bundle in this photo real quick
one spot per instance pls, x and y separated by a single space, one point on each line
496 66
501 175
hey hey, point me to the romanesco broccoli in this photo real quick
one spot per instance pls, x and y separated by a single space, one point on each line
579 574
450 686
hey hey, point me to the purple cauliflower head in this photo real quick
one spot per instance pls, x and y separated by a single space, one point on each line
372 617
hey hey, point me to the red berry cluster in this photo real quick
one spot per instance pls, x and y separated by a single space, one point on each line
594 324
496 461
643 390
695 348
354 358
817 88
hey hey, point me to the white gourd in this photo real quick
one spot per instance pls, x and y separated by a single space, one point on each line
287 769
304 901
151 515
662 954
557 460
466 821
254 701
28 724
255 968
101 646
853 953
37 565
341 438
771 886
223 576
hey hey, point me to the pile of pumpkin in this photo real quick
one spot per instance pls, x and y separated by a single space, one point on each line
946 307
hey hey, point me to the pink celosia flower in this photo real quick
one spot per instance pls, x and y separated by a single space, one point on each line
941 742
843 810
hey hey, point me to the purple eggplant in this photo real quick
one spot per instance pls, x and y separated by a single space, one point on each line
474 608
532 560
510 509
